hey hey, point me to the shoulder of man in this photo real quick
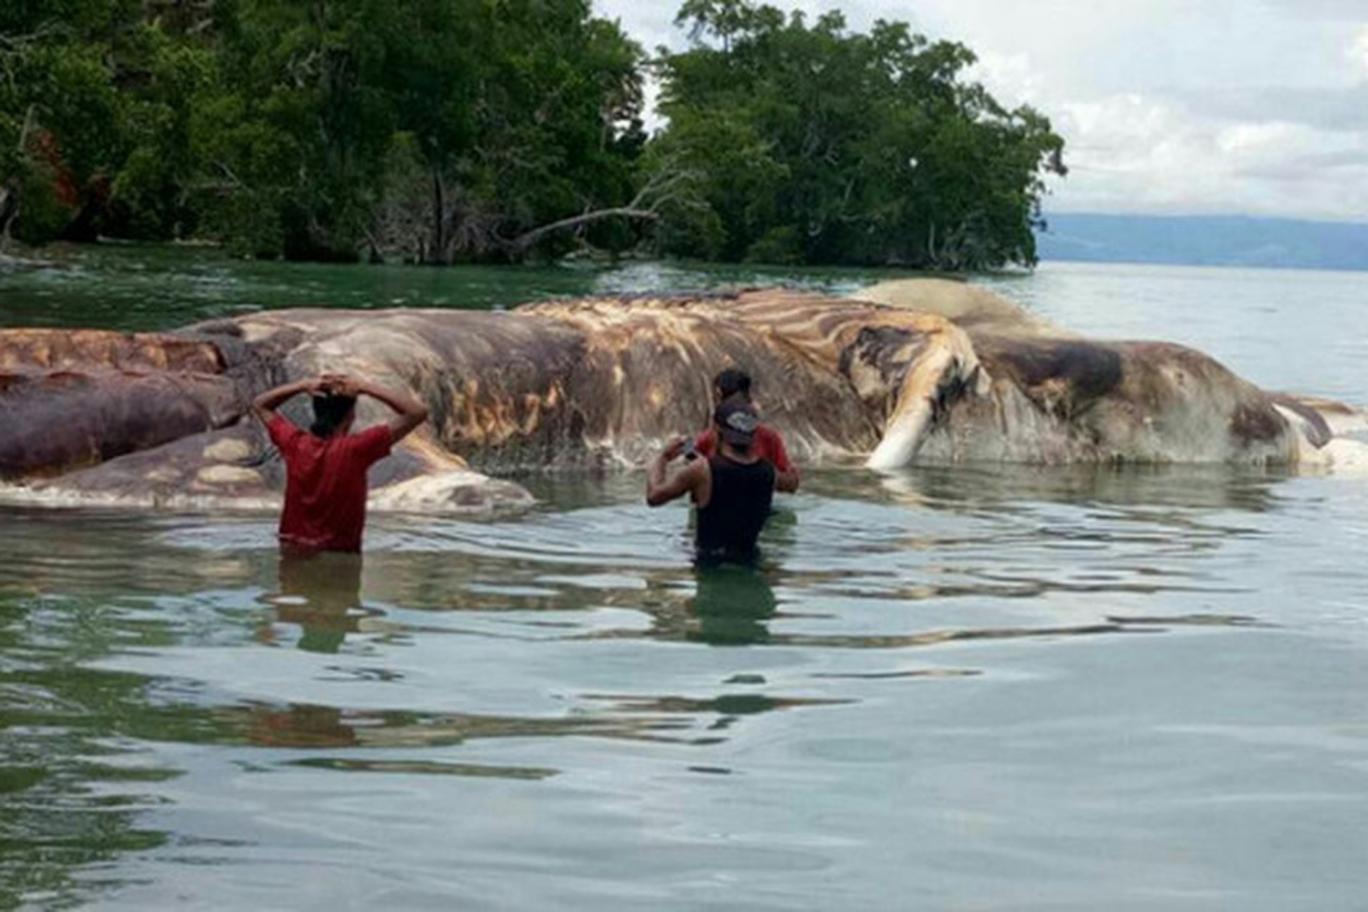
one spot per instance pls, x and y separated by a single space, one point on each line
282 431
766 430
372 444
772 447
769 438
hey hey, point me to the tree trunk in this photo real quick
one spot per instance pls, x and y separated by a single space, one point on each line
437 250
9 210
10 191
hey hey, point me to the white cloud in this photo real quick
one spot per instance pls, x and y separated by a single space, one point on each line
1244 140
1133 153
1182 106
1010 77
1358 52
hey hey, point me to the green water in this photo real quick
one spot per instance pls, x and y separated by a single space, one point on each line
150 288
978 688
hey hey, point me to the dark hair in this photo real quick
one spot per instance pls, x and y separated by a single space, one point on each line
329 413
731 382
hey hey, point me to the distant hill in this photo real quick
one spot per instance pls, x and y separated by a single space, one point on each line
1204 241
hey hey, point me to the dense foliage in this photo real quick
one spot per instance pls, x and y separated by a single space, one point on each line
429 130
822 146
455 130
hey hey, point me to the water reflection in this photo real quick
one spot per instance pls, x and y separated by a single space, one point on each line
731 605
321 592
305 726
949 654
72 789
579 638
423 767
1151 487
153 287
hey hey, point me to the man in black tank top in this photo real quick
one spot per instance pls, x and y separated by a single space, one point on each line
732 490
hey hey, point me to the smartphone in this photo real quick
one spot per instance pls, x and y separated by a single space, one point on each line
690 451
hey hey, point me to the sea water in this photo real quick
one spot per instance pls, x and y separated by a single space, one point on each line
981 687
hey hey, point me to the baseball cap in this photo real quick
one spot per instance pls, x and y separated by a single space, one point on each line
736 422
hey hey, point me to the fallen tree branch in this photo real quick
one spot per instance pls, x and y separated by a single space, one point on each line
661 189
523 242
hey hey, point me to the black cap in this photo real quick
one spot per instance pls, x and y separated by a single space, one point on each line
736 421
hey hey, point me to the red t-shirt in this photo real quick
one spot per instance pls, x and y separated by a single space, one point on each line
325 484
768 445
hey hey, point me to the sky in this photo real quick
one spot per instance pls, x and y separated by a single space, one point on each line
1167 107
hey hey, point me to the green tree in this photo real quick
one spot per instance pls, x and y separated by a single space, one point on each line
429 130
94 109
58 111
538 123
816 144
442 131
292 137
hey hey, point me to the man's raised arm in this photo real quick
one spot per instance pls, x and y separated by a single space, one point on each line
412 413
663 487
264 406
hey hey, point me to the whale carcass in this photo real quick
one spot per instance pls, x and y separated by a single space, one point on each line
909 372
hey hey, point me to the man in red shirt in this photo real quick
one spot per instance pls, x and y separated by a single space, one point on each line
768 444
325 483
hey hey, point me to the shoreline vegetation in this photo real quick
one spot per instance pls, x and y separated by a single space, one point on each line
503 131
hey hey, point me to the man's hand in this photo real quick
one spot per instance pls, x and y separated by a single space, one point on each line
673 448
412 413
264 406
662 486
339 385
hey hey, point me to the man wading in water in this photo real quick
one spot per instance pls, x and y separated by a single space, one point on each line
732 490
734 382
325 485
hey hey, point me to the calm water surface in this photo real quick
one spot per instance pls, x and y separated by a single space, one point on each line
979 688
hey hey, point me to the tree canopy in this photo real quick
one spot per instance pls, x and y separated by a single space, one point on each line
819 145
443 131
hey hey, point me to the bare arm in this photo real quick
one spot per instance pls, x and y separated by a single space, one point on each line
412 413
785 472
662 486
265 405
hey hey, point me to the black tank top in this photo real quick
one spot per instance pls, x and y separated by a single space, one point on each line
741 496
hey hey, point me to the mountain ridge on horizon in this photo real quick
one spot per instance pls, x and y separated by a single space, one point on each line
1204 240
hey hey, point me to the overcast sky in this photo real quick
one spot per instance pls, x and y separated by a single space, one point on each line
1256 107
